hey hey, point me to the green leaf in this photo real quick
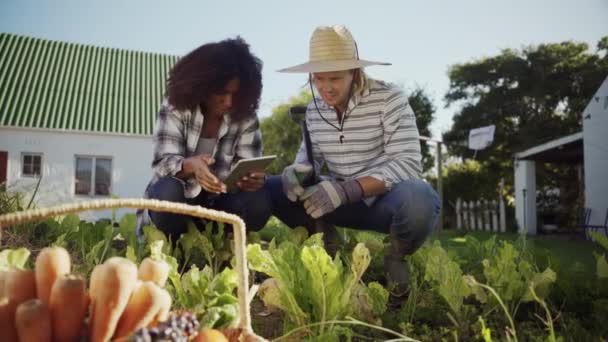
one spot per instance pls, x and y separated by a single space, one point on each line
189 241
601 239
601 266
360 260
298 235
324 277
127 230
152 234
13 258
130 254
70 223
446 276
541 282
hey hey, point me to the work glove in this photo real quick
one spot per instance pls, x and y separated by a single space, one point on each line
293 177
327 196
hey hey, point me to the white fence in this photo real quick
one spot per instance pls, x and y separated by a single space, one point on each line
481 215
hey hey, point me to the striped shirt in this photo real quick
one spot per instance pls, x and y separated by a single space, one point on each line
380 137
177 135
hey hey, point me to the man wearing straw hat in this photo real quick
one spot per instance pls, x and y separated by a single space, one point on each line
365 132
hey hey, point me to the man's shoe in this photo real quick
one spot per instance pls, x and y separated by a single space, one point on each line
397 272
331 238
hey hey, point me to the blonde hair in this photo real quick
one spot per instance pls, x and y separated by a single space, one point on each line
360 82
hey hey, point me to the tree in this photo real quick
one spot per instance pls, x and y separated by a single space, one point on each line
532 96
424 109
281 136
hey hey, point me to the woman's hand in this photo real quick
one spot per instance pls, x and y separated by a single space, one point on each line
252 182
198 166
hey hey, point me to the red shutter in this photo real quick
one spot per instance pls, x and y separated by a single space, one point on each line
3 161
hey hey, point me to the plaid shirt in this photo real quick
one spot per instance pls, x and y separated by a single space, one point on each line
176 137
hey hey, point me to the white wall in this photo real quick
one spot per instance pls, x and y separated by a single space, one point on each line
595 141
131 157
525 179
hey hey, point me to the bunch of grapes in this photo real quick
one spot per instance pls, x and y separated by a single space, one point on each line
178 328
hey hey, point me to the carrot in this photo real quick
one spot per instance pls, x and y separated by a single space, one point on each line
19 286
144 304
8 332
154 270
51 263
68 306
164 309
33 321
113 287
93 283
2 279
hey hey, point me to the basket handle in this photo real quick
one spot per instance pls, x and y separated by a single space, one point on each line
164 206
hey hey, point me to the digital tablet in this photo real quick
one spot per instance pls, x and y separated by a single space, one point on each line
245 166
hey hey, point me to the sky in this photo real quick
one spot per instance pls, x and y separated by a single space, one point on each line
421 38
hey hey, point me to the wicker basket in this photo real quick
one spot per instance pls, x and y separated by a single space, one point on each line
244 325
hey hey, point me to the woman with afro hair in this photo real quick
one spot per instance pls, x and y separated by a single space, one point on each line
207 122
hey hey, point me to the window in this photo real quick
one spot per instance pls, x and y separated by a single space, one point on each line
93 176
31 164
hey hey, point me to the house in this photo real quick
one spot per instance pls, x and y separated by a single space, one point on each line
588 148
77 117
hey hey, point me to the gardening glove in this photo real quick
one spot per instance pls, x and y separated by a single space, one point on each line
293 177
327 196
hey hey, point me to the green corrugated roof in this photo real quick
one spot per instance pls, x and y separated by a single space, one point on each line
57 85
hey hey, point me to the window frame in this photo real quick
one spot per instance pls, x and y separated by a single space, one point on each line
93 174
31 154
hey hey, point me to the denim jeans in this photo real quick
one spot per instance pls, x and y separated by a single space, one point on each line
252 207
408 212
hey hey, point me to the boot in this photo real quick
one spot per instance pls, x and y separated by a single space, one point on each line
331 238
397 269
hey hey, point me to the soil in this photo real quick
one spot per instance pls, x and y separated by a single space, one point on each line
268 324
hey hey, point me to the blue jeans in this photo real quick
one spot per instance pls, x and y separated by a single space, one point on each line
252 207
408 213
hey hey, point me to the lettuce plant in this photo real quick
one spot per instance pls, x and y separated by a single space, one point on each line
311 287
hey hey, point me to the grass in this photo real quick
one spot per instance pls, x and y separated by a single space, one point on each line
548 250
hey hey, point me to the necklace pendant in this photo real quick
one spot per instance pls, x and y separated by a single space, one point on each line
341 138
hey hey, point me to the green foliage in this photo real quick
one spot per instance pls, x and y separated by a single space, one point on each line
532 95
209 295
212 245
601 263
423 106
310 287
513 277
445 276
281 135
10 201
469 180
14 258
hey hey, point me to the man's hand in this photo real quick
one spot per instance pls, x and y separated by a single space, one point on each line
293 177
252 182
327 196
198 166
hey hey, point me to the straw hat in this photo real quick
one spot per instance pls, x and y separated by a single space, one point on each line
332 48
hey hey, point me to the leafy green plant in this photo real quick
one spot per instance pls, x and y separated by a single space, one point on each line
311 287
14 258
601 268
445 276
210 296
213 246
